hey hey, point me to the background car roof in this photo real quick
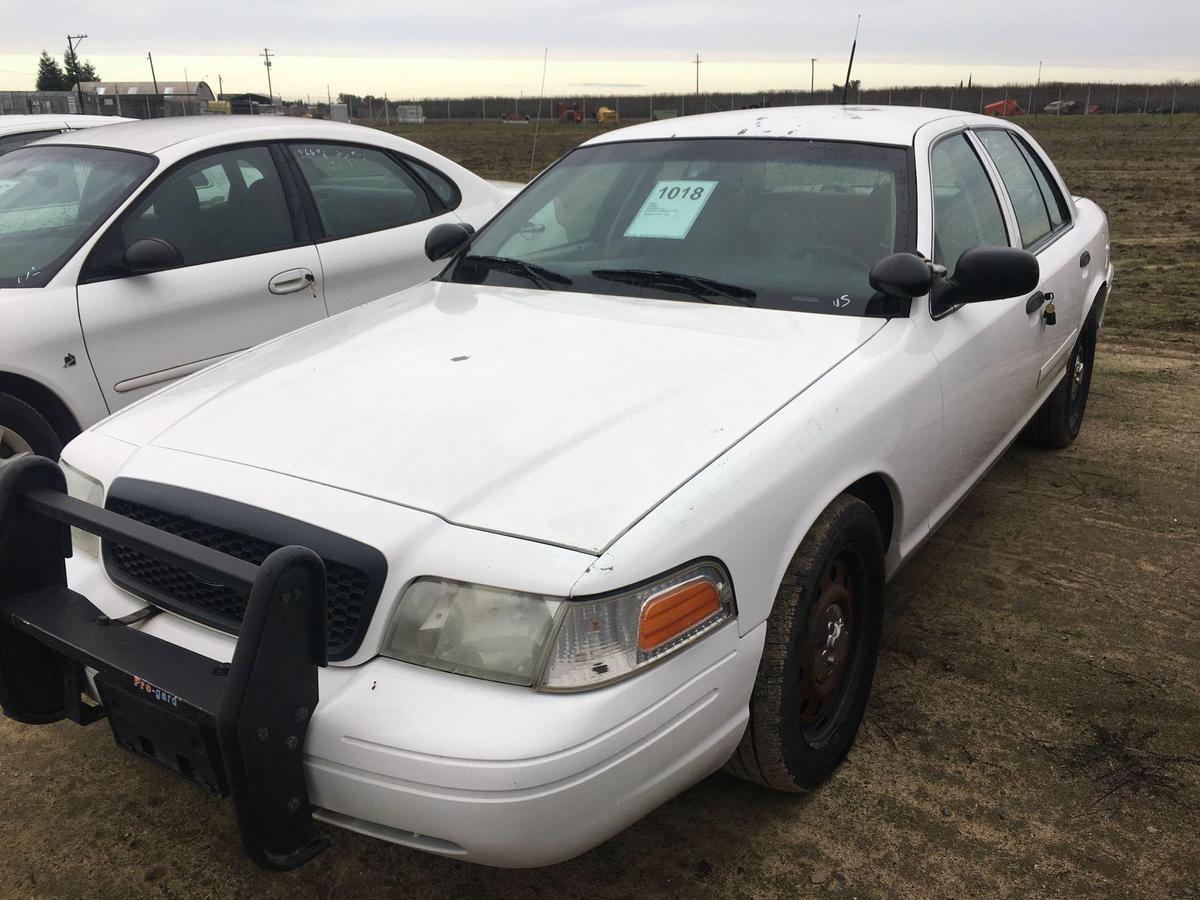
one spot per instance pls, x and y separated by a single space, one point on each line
873 124
36 121
155 135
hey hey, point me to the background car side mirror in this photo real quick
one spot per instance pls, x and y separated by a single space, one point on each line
988 273
152 255
444 239
902 275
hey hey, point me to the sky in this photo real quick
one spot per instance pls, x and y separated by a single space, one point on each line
484 47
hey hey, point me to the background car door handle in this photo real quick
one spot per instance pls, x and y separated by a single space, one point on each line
291 281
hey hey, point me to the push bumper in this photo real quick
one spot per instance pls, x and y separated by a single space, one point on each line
234 730
475 770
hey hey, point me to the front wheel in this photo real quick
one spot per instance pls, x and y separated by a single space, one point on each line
24 430
1057 423
819 657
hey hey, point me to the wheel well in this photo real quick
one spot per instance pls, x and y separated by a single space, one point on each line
874 491
44 400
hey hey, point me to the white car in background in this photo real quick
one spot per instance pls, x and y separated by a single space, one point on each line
133 255
18 130
608 505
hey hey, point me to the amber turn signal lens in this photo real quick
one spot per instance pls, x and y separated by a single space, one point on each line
675 612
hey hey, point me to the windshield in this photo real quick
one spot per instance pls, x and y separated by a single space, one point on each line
780 224
51 199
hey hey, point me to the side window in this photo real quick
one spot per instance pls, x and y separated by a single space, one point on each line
1056 203
442 186
1033 216
210 209
966 212
359 189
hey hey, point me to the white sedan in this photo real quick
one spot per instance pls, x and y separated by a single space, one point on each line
133 255
607 506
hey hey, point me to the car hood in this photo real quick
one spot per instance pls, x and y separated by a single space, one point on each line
558 417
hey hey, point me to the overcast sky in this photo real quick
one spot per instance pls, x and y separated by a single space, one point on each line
475 47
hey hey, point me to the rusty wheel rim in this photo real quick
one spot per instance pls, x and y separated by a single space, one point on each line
826 652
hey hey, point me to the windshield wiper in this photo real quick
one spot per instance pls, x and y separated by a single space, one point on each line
537 274
699 287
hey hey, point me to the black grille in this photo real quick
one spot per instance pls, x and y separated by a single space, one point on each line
350 593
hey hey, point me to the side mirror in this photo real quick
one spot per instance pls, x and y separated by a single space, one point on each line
902 275
152 255
444 239
988 273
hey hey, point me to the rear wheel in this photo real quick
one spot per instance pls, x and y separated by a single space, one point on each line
819 657
24 430
1058 421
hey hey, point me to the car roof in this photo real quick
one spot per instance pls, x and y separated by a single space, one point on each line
37 121
155 135
865 124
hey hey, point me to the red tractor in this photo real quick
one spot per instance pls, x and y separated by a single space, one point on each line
571 113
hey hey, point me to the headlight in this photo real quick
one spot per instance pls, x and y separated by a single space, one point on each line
606 638
471 629
552 643
89 490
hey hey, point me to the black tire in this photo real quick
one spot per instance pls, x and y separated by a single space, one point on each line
802 726
17 416
1056 424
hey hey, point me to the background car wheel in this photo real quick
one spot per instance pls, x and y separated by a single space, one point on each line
819 658
24 430
1058 421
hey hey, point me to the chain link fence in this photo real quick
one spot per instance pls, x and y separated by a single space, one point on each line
133 106
1164 98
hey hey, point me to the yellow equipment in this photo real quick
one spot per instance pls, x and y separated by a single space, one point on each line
607 116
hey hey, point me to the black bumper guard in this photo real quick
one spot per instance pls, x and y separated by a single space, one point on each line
233 729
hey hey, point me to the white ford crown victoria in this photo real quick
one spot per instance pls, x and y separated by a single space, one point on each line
498 564
133 255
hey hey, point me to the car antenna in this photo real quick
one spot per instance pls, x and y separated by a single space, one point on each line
846 86
538 121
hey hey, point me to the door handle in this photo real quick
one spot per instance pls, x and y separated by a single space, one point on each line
1085 259
291 281
1034 303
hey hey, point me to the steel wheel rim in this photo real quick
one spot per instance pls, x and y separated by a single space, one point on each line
828 651
12 444
1079 370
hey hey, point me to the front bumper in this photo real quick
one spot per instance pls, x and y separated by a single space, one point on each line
491 773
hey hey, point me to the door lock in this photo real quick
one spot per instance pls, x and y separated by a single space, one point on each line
1049 315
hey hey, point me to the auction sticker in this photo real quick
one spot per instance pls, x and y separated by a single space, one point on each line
671 209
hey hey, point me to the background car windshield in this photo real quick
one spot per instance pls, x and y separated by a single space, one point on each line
782 224
51 199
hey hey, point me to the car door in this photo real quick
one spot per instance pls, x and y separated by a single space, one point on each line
986 352
249 272
374 212
1043 221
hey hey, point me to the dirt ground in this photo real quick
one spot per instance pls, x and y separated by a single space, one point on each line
1035 724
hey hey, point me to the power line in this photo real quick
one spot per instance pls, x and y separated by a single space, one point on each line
266 55
75 59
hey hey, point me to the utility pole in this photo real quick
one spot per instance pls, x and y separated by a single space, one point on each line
75 59
697 74
220 86
266 55
1039 78
153 77
812 76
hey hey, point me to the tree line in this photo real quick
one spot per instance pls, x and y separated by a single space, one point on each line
54 77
